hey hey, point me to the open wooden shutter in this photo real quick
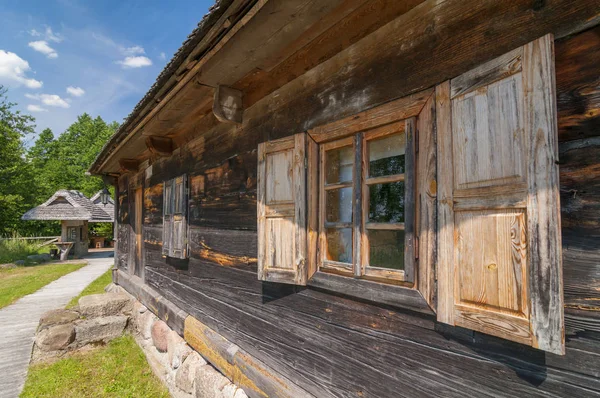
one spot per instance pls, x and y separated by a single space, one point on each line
167 217
500 261
282 210
179 234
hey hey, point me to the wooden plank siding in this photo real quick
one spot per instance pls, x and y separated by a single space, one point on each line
331 344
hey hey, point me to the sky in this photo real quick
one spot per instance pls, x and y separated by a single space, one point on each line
61 58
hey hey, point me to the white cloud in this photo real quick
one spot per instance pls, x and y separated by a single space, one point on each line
55 37
49 100
13 70
36 108
75 91
43 47
135 50
34 33
135 62
163 56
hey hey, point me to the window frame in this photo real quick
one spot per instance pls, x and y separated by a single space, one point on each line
418 295
360 183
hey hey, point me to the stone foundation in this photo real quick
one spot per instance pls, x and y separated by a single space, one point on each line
100 318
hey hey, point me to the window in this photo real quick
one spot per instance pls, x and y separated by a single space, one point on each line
175 218
366 190
72 234
444 201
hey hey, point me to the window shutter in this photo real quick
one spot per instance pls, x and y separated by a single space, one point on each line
500 261
179 234
167 217
282 209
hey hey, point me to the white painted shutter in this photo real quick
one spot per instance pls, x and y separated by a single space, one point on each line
500 260
282 210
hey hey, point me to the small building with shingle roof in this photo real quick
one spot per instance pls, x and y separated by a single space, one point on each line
74 210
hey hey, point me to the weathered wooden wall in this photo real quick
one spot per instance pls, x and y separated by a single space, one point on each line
334 346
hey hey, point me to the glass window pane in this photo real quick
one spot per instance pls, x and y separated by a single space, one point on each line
338 204
386 202
386 155
339 163
339 244
386 249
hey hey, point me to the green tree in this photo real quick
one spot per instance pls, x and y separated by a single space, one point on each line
72 153
38 156
16 194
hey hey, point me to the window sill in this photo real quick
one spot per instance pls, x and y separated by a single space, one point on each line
397 296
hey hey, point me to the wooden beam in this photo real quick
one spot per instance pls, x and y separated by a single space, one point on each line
129 164
435 41
322 41
160 146
227 105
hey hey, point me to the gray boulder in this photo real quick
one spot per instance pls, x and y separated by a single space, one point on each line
20 262
209 382
35 258
177 349
106 304
57 317
101 329
55 338
185 375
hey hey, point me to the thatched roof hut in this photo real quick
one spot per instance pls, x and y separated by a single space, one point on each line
72 205
74 210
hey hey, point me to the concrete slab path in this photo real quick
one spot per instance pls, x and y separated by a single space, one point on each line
18 321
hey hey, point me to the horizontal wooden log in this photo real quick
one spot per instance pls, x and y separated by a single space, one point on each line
578 85
246 372
162 308
404 298
341 337
434 42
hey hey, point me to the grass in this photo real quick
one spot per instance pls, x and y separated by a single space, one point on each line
116 370
18 249
97 286
21 281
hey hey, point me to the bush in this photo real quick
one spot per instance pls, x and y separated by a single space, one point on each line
18 249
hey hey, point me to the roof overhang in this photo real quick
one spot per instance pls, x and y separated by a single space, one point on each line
236 41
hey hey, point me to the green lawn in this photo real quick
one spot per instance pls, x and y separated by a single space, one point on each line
97 286
117 370
21 281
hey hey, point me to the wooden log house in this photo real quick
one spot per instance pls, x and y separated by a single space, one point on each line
371 198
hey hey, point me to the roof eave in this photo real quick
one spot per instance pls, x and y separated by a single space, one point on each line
180 58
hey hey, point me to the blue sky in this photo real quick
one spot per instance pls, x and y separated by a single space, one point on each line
61 58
